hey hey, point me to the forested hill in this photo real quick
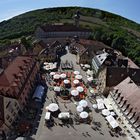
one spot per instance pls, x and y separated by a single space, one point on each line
113 30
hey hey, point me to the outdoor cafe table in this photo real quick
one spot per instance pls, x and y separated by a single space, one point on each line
112 121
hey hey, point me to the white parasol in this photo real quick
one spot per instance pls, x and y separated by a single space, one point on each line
53 107
90 79
81 65
83 103
112 113
79 108
76 72
95 106
46 68
76 82
89 72
45 63
64 115
57 89
105 112
80 89
91 91
74 92
63 75
66 81
52 73
79 77
83 115
87 66
56 76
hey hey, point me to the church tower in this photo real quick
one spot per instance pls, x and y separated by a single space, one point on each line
76 18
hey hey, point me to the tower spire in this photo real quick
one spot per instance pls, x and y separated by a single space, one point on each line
76 18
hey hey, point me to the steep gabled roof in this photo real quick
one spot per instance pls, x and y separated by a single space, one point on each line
8 76
91 43
130 92
101 57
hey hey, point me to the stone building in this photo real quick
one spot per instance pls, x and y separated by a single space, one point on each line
126 97
49 52
61 31
112 76
16 84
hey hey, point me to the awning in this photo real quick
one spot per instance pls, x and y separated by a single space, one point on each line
38 92
112 121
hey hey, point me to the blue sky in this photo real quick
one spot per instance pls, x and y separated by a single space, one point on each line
126 8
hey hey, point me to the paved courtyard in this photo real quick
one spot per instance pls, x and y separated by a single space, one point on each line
97 130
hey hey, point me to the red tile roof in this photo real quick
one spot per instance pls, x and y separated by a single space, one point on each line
131 92
97 44
8 76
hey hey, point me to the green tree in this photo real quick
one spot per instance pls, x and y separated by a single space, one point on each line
26 43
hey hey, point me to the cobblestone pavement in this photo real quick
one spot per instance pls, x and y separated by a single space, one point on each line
75 132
